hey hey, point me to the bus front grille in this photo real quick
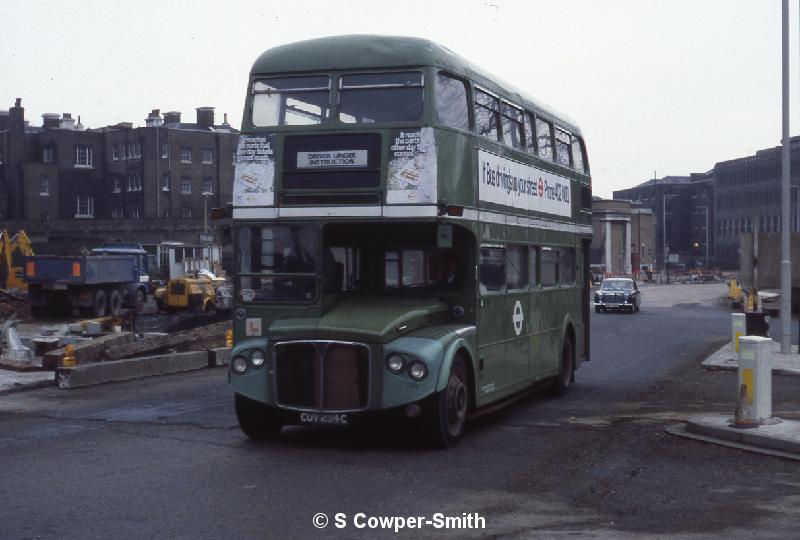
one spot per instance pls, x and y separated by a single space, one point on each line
322 375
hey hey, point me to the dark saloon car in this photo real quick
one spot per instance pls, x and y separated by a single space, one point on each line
617 293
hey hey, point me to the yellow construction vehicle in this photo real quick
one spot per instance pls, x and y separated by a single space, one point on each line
735 293
191 292
12 251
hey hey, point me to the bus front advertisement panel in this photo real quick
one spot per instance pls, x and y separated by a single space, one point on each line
254 177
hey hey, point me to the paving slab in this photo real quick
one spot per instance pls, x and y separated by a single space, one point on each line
725 359
15 381
776 434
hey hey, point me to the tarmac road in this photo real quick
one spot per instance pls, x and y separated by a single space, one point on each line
163 458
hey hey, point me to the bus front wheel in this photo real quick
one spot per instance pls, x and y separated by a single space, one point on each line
446 411
256 420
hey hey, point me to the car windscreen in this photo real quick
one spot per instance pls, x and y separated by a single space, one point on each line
616 286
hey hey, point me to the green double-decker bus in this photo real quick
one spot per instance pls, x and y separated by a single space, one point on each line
410 235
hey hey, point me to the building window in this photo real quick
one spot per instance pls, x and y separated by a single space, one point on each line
186 155
47 154
186 185
165 151
44 186
117 184
114 152
44 216
136 213
137 149
84 206
83 155
134 182
186 213
116 213
165 182
208 185
166 213
208 156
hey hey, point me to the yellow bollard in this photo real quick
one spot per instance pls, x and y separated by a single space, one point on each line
69 356
229 338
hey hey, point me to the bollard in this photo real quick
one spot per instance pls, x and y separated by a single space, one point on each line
755 376
738 329
68 359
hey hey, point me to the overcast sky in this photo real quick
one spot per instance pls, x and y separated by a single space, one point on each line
667 87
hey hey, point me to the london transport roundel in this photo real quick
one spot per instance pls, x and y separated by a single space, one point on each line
518 317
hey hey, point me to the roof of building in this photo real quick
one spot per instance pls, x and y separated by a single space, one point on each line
378 52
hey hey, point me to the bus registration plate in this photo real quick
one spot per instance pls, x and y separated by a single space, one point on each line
337 419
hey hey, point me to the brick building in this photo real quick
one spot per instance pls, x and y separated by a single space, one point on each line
61 182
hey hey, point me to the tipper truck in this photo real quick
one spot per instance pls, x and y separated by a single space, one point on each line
96 285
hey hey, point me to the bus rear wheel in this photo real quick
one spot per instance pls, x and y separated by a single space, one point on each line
445 414
565 373
256 420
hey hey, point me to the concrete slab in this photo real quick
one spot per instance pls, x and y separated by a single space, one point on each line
781 436
725 359
92 350
133 368
219 357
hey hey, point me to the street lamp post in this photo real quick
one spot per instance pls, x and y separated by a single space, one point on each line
206 195
706 210
664 229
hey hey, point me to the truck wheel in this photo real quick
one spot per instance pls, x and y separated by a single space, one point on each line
115 303
140 299
100 302
445 413
210 309
256 420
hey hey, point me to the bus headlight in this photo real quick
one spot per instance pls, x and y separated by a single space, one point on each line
395 363
239 365
417 371
257 358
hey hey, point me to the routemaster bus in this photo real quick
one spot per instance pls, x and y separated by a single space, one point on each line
411 234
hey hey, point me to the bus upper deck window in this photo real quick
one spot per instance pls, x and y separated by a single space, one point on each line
544 138
577 155
451 102
512 125
486 109
291 101
380 97
562 147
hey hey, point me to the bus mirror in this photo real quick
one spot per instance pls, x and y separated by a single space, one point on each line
444 236
219 213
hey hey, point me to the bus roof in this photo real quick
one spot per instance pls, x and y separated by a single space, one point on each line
363 51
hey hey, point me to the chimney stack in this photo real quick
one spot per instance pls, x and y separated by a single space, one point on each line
154 118
205 117
16 118
172 117
67 122
51 120
225 126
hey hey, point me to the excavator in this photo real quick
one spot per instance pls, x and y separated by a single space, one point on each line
12 251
